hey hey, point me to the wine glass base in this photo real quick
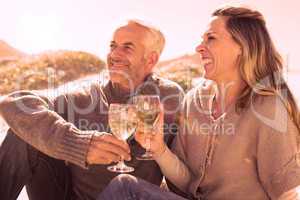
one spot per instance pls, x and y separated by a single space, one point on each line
118 169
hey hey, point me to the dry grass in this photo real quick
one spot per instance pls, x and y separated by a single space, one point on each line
184 70
52 69
48 70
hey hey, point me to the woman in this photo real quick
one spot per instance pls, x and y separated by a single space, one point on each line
239 133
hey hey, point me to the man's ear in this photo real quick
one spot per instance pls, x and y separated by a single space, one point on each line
152 59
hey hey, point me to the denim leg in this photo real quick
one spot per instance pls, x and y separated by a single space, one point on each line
21 164
50 180
14 167
127 187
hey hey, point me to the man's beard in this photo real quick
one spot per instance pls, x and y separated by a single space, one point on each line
125 73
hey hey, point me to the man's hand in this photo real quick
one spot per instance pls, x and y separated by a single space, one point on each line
106 148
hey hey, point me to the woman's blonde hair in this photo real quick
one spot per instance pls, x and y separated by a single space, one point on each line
260 63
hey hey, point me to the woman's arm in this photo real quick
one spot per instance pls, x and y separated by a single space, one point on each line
174 169
171 166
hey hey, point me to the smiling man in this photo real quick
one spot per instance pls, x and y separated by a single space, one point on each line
47 133
134 52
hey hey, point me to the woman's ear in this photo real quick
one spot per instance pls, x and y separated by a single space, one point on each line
240 51
238 59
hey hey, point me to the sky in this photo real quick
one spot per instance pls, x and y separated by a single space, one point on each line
34 26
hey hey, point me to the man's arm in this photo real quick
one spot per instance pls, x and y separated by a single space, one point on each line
32 118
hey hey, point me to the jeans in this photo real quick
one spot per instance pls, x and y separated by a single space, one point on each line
22 165
127 187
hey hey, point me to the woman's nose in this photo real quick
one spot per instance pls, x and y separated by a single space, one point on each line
200 47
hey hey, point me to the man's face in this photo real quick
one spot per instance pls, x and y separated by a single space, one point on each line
127 62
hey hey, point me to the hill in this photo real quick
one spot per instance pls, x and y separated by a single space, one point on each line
47 70
8 52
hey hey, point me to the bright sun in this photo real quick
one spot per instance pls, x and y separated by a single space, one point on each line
37 33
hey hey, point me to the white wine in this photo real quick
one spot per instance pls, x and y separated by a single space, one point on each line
122 129
122 120
148 116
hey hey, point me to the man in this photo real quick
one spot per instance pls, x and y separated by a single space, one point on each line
72 128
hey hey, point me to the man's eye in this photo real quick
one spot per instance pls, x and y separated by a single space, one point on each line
127 48
211 38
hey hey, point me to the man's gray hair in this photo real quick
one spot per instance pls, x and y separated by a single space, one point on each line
156 39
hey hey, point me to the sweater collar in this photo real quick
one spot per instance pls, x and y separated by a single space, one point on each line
115 94
205 95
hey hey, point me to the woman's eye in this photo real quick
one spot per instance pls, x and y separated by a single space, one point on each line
211 38
112 46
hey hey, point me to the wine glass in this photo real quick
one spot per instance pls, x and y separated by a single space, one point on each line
123 123
147 109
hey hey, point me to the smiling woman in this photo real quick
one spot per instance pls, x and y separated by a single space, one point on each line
37 33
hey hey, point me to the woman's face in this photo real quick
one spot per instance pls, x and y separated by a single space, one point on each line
219 52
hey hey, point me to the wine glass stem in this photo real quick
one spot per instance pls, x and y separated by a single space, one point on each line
121 164
148 145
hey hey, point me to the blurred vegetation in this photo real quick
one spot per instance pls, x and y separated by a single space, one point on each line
52 69
47 70
185 74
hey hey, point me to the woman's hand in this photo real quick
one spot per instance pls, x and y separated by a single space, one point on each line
156 137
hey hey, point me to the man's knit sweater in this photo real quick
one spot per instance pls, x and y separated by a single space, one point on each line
63 127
